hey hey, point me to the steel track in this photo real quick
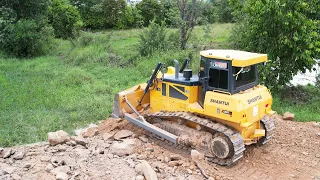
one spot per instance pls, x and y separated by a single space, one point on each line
210 126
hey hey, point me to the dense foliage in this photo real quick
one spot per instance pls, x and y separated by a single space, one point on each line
23 29
318 80
65 19
223 10
284 29
156 38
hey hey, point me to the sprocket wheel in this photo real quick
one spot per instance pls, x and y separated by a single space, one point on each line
221 147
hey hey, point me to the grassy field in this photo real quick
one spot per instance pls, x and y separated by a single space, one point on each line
75 83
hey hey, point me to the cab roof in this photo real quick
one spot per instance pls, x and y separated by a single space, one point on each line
238 58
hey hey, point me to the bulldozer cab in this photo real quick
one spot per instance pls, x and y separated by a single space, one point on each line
228 71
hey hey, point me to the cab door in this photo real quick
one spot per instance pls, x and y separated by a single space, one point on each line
203 79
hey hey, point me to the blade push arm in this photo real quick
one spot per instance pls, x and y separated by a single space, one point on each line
149 83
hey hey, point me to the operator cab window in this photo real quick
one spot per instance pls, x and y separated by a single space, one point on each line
218 75
245 75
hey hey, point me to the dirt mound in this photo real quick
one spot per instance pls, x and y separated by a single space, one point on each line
294 153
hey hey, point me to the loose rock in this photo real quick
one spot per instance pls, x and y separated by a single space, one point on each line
288 116
166 159
143 139
195 155
15 177
32 153
8 153
175 163
58 137
175 157
18 155
123 134
45 159
130 141
148 172
80 140
107 136
27 165
121 149
138 169
7 169
316 124
131 163
62 176
93 131
48 168
64 169
139 177
149 149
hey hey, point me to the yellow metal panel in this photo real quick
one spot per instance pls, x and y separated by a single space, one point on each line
171 70
259 133
238 58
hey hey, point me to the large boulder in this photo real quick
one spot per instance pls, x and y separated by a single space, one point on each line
58 137
121 149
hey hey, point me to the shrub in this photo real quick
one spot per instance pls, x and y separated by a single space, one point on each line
156 38
23 31
65 19
24 38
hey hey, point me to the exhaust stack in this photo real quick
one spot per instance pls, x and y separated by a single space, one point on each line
176 66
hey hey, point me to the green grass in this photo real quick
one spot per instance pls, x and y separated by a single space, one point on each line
74 84
304 102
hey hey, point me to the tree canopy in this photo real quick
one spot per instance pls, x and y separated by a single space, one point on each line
287 30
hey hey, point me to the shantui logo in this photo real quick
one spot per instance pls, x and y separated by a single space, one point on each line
219 102
252 100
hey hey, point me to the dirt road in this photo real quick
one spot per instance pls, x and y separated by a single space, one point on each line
294 153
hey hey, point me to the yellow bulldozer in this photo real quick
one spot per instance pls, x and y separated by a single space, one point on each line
217 111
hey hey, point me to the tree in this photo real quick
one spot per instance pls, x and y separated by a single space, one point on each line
189 10
90 12
224 10
169 13
150 10
209 12
23 27
65 19
130 19
112 11
282 28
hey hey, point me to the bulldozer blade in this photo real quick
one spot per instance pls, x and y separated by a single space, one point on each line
151 128
131 95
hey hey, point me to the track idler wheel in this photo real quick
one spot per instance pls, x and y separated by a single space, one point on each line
221 147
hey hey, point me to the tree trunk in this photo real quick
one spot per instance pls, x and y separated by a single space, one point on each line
183 37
